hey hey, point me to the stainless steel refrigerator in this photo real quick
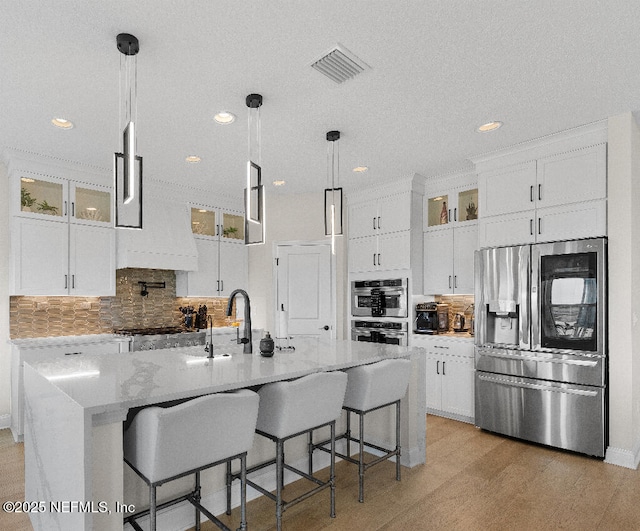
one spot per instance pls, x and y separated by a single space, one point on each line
541 343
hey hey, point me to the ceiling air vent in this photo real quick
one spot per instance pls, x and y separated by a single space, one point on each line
339 64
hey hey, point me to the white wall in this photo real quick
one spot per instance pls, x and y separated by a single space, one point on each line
624 289
297 217
5 351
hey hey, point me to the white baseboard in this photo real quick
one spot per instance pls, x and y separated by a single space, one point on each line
622 457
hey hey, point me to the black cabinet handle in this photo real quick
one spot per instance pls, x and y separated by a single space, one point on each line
73 209
455 214
531 227
73 282
539 225
379 222
379 262
531 194
374 223
443 374
438 367
66 285
374 258
539 192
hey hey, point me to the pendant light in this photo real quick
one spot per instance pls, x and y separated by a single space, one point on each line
254 207
127 165
333 194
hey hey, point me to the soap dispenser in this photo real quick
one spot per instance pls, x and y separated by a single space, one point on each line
266 345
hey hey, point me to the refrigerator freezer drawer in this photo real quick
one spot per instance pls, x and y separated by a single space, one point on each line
565 416
582 369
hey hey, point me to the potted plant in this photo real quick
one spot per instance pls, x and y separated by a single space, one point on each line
46 208
229 231
26 200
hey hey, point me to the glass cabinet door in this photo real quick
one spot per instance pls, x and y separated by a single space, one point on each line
91 205
467 205
233 226
42 197
438 210
203 222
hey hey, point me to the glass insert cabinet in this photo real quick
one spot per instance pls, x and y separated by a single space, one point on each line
215 223
453 207
61 199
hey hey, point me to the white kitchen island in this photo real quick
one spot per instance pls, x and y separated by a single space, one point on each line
75 408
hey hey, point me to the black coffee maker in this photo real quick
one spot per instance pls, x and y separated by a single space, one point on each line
426 321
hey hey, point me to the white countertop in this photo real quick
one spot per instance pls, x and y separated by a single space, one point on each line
113 383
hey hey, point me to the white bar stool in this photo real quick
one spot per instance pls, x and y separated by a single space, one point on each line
289 409
163 444
371 387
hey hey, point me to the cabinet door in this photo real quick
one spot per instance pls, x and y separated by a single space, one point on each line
363 254
508 190
43 197
438 262
458 385
40 257
204 282
511 229
579 220
434 381
233 267
90 205
394 251
394 213
579 175
363 219
465 242
92 261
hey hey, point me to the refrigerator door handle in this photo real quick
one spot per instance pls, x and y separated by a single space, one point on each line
540 387
525 357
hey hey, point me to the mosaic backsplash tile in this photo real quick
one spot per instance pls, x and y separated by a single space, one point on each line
65 316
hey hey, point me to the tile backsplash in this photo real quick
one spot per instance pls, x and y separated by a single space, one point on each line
457 304
65 316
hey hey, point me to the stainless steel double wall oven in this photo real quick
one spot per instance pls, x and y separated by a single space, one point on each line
541 343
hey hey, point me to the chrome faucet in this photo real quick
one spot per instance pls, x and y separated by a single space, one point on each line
246 340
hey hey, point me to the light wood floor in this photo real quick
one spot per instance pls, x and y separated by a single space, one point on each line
473 480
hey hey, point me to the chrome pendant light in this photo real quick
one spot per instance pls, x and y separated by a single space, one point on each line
254 206
127 165
333 193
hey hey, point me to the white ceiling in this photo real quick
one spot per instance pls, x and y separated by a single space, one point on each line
439 69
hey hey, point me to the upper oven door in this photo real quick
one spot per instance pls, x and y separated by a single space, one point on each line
362 302
570 299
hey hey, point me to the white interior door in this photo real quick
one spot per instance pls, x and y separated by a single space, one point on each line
304 290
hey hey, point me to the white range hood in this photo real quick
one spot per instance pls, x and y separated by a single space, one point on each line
165 240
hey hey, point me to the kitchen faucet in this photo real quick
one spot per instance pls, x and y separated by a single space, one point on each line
208 347
246 340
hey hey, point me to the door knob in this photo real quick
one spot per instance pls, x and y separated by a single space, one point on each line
325 327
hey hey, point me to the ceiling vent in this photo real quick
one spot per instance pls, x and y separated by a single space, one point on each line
339 64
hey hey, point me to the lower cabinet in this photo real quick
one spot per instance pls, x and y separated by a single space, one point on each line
449 378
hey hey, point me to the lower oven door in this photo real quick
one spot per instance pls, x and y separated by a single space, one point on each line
378 336
567 416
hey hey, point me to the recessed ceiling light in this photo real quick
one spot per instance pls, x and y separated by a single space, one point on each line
225 118
360 169
202 210
193 159
62 123
489 126
279 183
27 180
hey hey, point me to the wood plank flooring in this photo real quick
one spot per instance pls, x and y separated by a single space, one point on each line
473 480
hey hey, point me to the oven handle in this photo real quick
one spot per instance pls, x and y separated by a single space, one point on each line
525 357
537 387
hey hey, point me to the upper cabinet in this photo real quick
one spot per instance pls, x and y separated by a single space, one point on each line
451 206
222 255
384 229
62 239
549 191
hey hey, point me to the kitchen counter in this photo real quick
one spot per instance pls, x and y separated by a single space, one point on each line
75 408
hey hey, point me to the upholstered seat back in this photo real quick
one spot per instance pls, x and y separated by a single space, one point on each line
287 408
165 442
377 384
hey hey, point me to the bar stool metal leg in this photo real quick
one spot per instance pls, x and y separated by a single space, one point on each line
332 474
152 508
361 459
398 440
310 452
197 497
243 491
348 433
229 479
279 477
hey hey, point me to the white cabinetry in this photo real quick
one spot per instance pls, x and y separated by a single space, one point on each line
449 377
222 255
555 197
380 235
42 349
448 260
62 241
